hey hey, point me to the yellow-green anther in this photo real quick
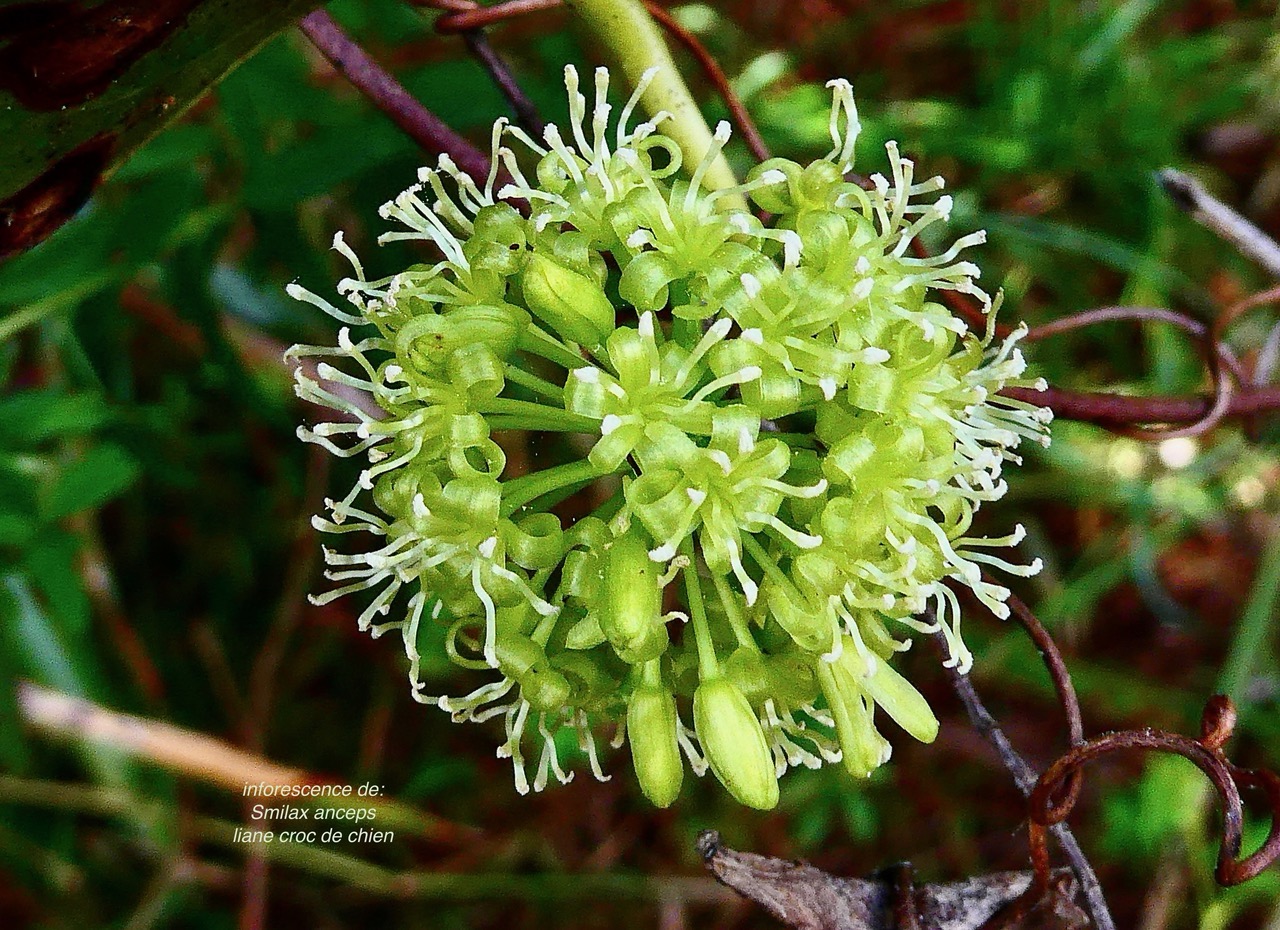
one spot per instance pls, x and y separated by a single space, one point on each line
734 743
652 731
569 302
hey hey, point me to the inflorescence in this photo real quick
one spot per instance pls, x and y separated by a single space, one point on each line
763 446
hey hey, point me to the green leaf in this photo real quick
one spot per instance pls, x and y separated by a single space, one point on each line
15 530
101 474
51 563
14 755
82 89
31 417
35 641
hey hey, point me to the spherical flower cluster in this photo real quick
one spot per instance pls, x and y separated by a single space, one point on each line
762 446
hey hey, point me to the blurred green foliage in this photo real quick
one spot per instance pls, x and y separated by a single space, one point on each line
154 545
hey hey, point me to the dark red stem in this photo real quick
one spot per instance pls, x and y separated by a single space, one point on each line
389 96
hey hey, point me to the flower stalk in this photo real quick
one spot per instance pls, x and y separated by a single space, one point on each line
633 40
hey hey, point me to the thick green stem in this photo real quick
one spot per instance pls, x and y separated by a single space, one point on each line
523 490
634 41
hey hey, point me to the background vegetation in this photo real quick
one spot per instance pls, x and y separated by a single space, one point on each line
155 550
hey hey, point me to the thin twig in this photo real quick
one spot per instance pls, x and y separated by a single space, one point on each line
389 95
1190 196
1025 778
1188 324
1095 315
1119 410
477 17
1228 318
715 74
1063 686
522 107
1225 369
1206 753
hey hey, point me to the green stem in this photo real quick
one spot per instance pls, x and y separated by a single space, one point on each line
635 42
520 491
540 413
532 423
795 440
737 622
708 664
517 375
753 548
1248 647
539 342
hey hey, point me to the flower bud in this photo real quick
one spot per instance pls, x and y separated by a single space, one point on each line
570 303
651 730
779 197
734 743
631 610
497 242
525 662
810 629
429 341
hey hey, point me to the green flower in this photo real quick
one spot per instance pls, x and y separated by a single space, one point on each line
782 416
